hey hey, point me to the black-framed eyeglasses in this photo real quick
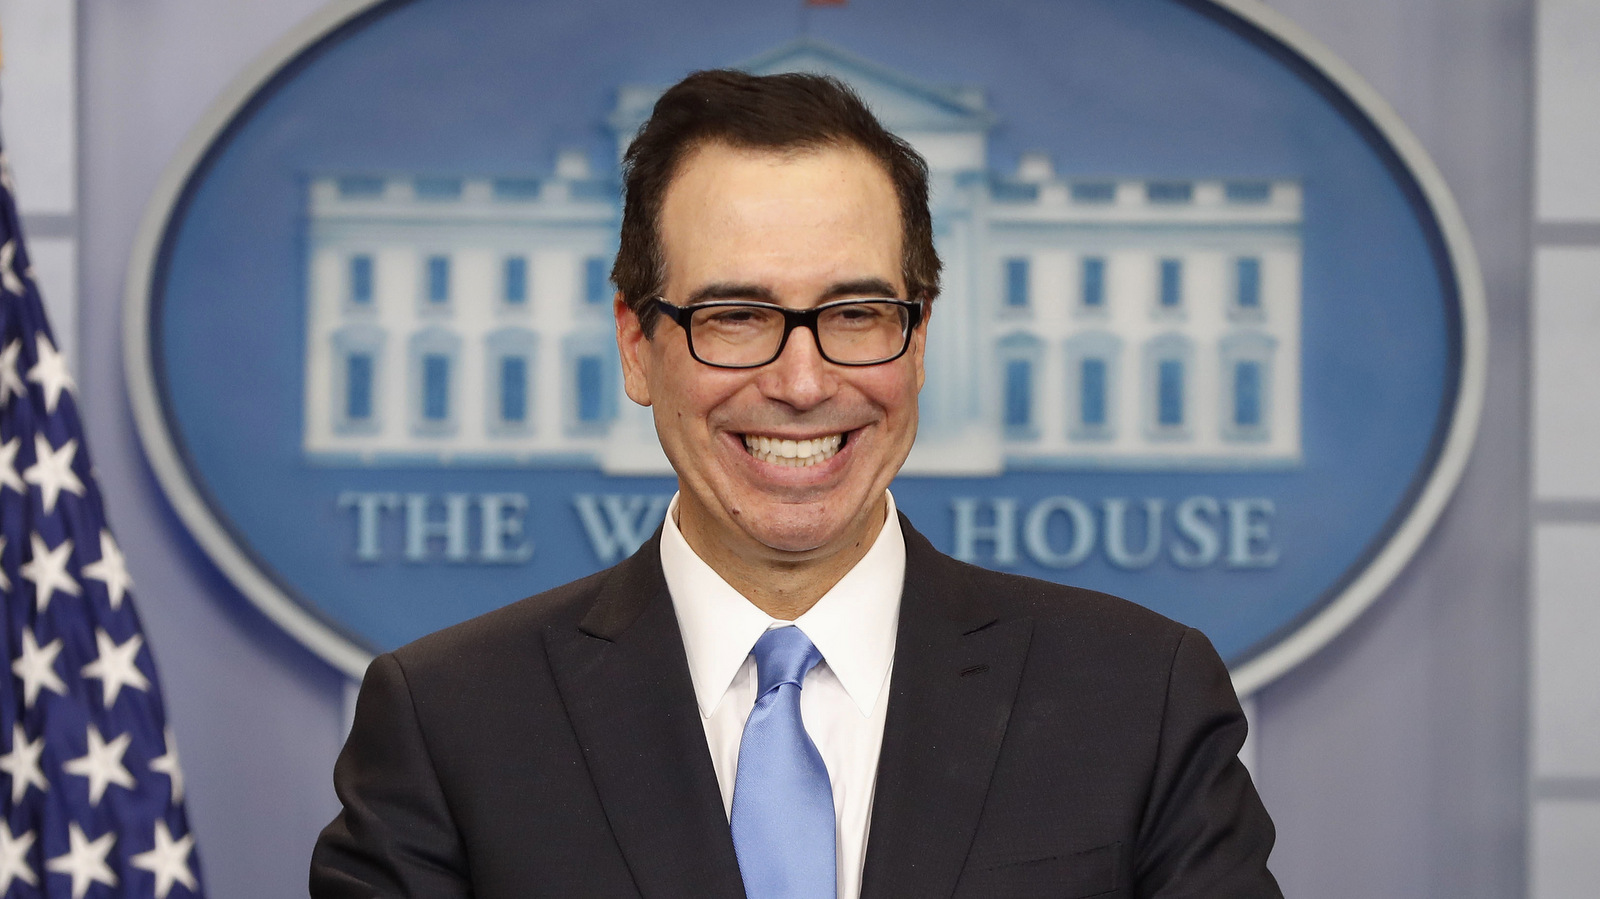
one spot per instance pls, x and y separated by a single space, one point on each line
738 334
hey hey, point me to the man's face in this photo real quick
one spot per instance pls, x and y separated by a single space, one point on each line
796 229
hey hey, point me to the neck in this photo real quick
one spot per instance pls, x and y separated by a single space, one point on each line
783 585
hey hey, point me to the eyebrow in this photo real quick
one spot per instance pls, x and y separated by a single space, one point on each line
860 287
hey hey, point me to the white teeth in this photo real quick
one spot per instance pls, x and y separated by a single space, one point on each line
793 453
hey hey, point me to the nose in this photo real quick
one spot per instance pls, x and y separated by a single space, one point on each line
799 377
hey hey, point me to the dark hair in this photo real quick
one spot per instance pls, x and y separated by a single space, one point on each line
768 112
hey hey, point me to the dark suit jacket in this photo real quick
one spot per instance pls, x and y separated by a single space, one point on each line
1041 741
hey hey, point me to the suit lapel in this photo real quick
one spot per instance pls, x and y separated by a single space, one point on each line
625 683
956 670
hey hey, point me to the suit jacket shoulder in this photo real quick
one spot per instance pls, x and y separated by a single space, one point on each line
1115 766
498 757
1094 614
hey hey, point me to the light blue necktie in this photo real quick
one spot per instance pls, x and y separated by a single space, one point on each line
783 825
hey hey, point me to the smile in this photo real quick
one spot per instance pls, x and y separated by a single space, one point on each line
794 453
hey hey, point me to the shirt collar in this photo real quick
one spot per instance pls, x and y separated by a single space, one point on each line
852 625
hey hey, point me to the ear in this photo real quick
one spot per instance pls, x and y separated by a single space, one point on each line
919 344
634 348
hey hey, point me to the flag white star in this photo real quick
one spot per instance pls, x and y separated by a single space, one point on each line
102 764
8 465
10 382
168 861
14 858
168 764
37 668
22 763
117 666
52 471
8 268
5 579
85 861
48 572
111 569
50 372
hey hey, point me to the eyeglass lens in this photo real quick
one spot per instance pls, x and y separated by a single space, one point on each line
851 333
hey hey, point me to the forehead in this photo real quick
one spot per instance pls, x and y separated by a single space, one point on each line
781 219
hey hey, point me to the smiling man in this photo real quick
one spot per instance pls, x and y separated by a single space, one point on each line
788 692
784 437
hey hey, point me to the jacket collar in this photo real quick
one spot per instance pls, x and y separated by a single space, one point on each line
624 678
625 682
958 662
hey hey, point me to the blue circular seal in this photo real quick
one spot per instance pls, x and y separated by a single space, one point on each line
1212 335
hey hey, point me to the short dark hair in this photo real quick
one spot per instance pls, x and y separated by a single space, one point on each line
793 111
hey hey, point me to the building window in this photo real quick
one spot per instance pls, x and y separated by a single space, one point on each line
1168 368
508 373
513 390
438 279
1169 393
515 280
1094 282
432 381
357 359
361 279
429 188
593 378
595 281
436 387
1094 191
1247 394
1092 393
1171 283
1247 287
1021 359
591 389
1019 395
1246 400
516 188
1016 283
1169 192
358 387
1248 191
1092 385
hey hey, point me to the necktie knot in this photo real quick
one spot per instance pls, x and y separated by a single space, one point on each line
783 656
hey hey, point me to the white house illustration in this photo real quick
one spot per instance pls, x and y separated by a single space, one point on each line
1112 322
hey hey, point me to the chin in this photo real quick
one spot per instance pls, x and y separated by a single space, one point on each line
794 539
795 531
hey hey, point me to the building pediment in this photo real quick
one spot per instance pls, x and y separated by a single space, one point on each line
904 104
901 102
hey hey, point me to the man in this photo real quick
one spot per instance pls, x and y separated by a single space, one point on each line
788 692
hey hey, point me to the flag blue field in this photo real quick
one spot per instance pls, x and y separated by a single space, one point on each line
89 777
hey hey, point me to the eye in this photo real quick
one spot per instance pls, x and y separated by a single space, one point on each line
734 317
858 315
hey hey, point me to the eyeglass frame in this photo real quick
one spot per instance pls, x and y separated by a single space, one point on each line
793 318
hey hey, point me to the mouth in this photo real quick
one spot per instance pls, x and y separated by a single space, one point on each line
794 453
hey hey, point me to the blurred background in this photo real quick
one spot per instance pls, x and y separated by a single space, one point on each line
1446 743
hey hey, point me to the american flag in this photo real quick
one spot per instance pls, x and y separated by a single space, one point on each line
92 790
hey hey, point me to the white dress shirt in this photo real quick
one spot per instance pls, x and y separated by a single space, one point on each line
843 699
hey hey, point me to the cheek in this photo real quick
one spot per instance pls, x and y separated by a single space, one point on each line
896 394
696 397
